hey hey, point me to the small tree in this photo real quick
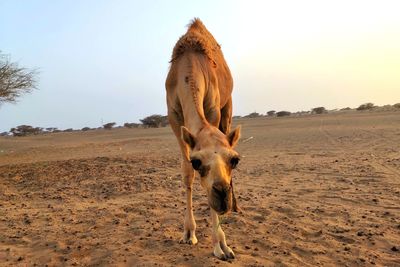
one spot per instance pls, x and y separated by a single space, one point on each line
24 130
283 113
14 80
271 113
366 106
319 110
397 105
155 121
164 121
109 126
85 129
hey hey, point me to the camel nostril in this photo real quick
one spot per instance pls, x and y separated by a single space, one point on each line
220 192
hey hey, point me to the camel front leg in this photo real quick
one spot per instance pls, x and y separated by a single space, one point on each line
221 249
189 233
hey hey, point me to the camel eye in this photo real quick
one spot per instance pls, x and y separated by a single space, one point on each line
196 164
233 162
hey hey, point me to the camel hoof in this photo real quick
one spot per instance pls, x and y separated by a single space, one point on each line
231 255
188 238
227 251
192 241
221 256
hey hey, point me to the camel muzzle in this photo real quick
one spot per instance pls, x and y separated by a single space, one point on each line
221 198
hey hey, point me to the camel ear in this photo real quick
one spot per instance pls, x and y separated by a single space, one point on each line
187 137
234 136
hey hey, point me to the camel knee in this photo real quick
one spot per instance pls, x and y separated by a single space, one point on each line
186 168
188 182
187 175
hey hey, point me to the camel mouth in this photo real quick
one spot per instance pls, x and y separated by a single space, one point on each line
223 212
221 200
220 207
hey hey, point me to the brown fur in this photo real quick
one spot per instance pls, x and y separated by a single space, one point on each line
199 86
196 39
200 52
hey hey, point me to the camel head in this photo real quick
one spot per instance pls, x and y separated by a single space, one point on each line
213 156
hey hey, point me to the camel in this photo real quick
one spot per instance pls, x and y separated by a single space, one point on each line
199 86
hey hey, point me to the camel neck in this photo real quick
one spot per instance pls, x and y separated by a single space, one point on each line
196 124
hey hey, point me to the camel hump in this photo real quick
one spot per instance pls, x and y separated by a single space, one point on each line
197 25
196 39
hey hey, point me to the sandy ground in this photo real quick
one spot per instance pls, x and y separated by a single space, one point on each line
317 190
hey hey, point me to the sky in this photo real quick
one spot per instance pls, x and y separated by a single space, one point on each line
106 61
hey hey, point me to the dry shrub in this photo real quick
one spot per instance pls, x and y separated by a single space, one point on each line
155 121
109 126
319 110
366 106
24 130
283 113
14 80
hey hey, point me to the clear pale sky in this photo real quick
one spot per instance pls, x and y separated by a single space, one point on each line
107 60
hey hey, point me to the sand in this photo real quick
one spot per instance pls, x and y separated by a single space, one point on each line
321 190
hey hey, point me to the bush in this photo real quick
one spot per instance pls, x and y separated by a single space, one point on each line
271 113
85 129
68 130
319 110
253 115
109 126
366 106
24 130
397 105
283 113
155 121
131 125
348 108
4 134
